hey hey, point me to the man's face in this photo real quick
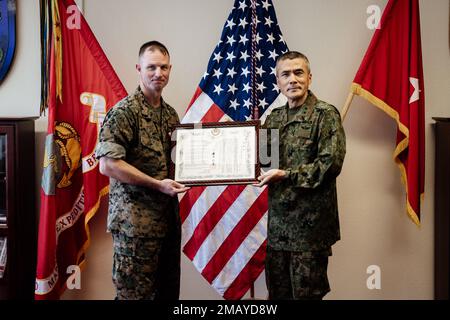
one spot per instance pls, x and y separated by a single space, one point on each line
154 70
293 79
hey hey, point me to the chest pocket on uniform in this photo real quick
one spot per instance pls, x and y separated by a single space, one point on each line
304 130
301 134
150 138
152 159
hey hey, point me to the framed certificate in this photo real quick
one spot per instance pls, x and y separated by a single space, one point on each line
218 153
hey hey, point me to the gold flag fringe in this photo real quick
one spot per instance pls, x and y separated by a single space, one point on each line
50 36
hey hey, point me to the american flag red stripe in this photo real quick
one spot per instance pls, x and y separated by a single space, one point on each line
197 209
214 114
235 238
203 109
194 97
190 197
224 241
224 228
211 218
254 266
245 259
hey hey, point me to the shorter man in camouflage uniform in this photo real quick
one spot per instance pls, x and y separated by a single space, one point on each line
303 213
134 151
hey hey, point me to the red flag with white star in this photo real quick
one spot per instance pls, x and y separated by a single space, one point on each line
391 78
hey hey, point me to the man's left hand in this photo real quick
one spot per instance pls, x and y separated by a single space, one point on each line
273 175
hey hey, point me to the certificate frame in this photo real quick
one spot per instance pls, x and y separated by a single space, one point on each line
235 180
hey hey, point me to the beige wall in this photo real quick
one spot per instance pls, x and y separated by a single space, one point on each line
333 33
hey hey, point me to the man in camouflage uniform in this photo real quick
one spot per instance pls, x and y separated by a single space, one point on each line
134 151
303 213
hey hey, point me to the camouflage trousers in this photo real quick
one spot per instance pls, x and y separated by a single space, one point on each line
146 268
292 275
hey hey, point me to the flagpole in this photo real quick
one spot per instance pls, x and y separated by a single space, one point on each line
347 105
255 111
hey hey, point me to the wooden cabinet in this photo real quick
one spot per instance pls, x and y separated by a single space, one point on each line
442 208
17 209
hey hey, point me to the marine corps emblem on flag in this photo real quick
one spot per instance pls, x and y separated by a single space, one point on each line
79 86
62 157
7 35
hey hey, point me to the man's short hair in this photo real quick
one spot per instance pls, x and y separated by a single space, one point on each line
153 45
291 55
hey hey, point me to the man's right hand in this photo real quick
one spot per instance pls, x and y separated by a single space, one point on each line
171 187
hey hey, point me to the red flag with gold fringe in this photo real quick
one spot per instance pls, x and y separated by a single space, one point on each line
391 78
79 87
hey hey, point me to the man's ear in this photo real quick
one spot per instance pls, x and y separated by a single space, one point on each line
138 67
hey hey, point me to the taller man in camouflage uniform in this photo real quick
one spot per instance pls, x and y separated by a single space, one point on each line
303 212
134 151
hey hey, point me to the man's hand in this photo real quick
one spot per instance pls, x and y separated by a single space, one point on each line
171 187
270 176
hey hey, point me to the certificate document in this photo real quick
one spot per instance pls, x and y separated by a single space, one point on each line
217 153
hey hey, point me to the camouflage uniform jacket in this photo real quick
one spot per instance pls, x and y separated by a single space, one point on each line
303 209
139 134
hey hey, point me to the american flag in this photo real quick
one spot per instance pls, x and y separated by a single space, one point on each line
224 228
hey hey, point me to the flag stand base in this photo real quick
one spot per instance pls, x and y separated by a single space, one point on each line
252 293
